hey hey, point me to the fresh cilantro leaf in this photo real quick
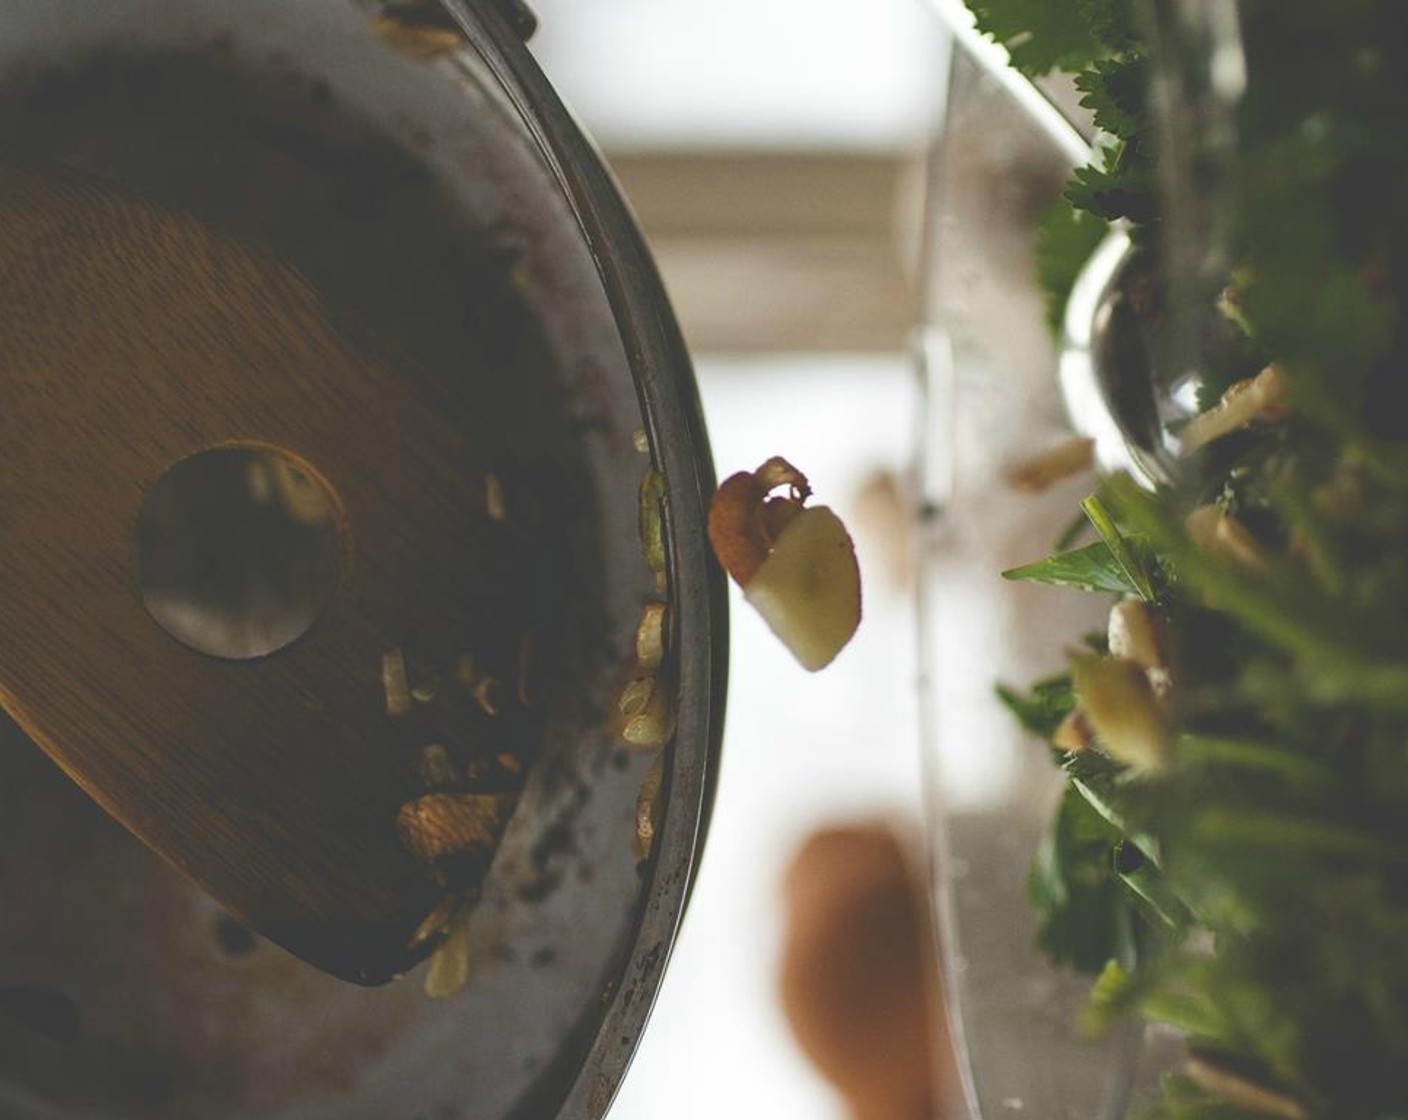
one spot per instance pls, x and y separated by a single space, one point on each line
1086 918
1042 36
1146 884
1112 22
1065 240
1282 824
1114 194
1116 91
1039 35
1274 759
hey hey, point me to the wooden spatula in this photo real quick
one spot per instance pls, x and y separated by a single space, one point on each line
130 339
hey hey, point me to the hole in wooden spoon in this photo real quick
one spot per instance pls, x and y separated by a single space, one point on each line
239 550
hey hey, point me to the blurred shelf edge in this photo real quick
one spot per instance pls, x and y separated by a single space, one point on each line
783 251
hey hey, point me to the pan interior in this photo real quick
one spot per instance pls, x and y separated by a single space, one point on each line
406 193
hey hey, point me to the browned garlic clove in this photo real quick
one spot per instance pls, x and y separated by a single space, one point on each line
394 685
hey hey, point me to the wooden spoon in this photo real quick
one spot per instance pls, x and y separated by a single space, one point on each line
132 338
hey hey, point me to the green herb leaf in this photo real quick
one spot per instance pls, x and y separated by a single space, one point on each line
1111 996
1276 759
1042 710
1114 194
1092 568
1065 240
1087 919
1116 91
1039 36
1131 556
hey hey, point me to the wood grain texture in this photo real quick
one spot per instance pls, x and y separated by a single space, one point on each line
132 337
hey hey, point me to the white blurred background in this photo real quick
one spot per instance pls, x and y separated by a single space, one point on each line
773 150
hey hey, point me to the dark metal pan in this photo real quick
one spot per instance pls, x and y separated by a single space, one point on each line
124 991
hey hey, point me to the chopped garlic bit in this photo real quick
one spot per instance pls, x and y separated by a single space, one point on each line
640 441
1229 303
1262 397
635 696
796 564
464 669
420 43
488 694
651 519
647 711
426 691
1241 1091
1119 702
494 498
419 29
449 967
436 922
1041 472
653 724
394 684
650 636
1217 533
437 769
648 809
1136 633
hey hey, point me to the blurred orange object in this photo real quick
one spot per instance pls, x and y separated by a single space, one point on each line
858 973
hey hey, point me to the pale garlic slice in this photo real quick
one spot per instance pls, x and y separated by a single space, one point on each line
1262 397
1119 702
808 589
1137 633
448 971
1217 533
